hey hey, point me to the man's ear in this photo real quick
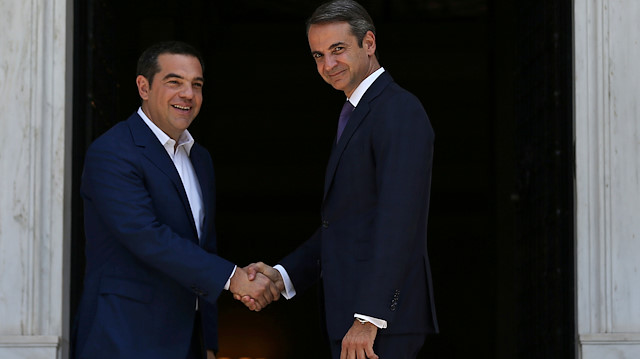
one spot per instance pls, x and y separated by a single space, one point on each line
143 87
369 43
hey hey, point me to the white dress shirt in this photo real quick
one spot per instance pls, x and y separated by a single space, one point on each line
289 290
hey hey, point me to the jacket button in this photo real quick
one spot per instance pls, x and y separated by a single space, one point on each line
325 224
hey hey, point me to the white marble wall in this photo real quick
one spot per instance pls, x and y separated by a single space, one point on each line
607 122
35 120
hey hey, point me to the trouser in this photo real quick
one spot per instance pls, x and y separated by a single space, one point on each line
196 349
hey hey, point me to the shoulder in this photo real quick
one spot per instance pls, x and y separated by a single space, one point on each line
117 137
396 95
114 146
394 101
398 110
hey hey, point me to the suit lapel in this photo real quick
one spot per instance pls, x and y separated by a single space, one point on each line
205 179
151 148
358 115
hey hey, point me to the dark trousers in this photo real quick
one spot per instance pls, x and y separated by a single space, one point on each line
196 349
389 346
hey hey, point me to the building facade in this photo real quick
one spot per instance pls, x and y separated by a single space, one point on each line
36 70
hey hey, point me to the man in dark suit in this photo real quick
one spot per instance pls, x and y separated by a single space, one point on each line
152 275
371 248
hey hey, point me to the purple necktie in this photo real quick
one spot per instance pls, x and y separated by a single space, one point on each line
344 117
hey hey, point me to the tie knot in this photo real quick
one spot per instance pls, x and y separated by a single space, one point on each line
347 108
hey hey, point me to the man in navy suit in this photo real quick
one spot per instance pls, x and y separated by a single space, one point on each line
371 249
152 275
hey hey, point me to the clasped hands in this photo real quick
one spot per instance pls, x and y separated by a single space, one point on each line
256 285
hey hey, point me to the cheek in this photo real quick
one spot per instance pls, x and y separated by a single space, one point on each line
166 98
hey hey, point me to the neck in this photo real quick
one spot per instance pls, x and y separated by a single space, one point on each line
373 68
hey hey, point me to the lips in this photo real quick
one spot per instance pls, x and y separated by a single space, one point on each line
334 75
183 108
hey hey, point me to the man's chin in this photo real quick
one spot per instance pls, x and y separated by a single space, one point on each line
337 86
183 123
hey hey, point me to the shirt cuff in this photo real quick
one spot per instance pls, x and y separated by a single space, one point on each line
226 286
289 291
382 324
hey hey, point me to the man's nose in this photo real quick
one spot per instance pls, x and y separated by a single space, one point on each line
329 62
186 92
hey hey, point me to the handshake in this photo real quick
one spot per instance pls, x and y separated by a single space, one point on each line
256 285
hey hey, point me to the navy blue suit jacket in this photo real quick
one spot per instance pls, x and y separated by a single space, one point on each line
145 267
371 250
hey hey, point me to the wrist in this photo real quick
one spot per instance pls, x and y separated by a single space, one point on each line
235 280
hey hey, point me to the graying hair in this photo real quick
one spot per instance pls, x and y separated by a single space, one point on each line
344 11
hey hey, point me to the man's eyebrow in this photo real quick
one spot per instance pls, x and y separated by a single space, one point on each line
172 75
333 46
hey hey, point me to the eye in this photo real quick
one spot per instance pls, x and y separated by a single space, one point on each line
198 84
316 55
338 49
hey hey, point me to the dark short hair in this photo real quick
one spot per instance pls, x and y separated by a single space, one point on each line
148 61
344 11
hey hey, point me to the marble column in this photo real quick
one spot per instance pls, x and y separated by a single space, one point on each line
607 139
35 144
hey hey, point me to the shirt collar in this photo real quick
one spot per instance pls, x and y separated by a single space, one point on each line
356 96
185 139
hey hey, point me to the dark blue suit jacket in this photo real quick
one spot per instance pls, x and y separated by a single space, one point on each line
145 267
371 250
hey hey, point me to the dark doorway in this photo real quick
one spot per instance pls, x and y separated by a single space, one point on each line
495 79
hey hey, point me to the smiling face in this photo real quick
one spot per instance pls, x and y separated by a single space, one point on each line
174 98
340 60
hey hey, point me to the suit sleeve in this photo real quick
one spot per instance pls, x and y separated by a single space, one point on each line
403 151
303 264
115 184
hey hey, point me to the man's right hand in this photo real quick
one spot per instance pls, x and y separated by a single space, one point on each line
259 289
256 270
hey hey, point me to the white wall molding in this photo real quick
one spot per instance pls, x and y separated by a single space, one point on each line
35 85
610 345
607 139
29 341
592 177
610 339
30 347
